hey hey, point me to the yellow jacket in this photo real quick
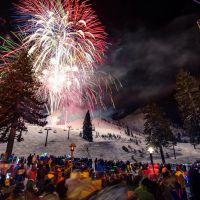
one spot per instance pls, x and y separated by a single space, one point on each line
181 178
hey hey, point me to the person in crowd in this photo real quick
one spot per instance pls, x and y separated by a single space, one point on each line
18 192
61 189
20 173
168 187
142 192
50 193
181 180
34 159
194 181
29 160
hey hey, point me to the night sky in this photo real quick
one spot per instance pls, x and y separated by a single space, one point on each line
150 40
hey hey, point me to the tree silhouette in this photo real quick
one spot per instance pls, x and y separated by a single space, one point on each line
157 128
87 128
188 99
19 102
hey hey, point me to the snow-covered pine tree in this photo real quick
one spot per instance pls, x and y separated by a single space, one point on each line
188 99
19 102
157 128
87 128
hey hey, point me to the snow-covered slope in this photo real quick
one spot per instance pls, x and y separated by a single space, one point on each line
103 146
135 120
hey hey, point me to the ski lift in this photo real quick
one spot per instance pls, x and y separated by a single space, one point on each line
54 131
40 132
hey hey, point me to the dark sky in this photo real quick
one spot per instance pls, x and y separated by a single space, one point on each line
150 40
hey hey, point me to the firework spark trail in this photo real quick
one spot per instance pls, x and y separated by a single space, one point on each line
67 41
55 80
67 31
9 49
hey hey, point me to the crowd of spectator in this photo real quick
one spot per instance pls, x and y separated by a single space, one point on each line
62 178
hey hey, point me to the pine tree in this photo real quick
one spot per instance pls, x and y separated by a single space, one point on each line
19 103
87 128
157 128
188 99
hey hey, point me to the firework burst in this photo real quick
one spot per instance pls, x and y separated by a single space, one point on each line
68 32
67 41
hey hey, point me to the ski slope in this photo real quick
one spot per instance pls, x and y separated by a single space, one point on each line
106 148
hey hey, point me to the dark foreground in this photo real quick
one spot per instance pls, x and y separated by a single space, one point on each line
58 178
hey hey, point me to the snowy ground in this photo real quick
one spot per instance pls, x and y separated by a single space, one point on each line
106 148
